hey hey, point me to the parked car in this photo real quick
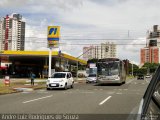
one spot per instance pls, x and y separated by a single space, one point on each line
140 77
149 108
60 80
91 78
148 76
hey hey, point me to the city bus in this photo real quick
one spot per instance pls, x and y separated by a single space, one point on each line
111 70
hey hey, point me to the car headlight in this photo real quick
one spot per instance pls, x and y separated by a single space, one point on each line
61 80
117 78
48 81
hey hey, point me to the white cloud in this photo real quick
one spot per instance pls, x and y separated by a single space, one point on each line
12 3
135 45
82 19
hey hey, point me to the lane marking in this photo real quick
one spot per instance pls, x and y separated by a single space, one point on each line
119 93
86 92
130 81
110 92
147 81
101 103
37 99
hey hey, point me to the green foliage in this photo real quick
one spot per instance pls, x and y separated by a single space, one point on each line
135 69
82 67
94 60
151 67
142 71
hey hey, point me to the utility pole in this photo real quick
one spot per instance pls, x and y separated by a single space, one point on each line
79 57
132 68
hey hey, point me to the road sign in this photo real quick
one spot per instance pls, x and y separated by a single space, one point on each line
7 81
53 36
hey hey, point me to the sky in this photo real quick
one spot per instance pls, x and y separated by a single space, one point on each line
87 22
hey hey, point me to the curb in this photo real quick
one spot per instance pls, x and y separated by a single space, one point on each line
10 92
23 89
80 81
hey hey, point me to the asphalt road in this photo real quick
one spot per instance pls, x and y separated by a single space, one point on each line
82 99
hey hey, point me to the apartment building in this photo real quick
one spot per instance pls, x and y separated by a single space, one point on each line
151 52
104 50
12 32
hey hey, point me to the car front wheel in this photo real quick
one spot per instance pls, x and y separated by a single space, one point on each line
72 86
47 88
65 87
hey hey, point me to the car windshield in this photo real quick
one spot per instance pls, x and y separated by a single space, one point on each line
58 75
92 75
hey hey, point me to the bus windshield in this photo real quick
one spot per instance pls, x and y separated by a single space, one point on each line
93 70
108 68
92 75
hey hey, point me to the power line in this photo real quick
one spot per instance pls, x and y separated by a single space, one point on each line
75 39
98 44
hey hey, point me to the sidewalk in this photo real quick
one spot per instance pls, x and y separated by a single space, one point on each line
23 85
20 85
80 80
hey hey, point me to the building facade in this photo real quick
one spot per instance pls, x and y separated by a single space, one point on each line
12 32
144 55
154 54
151 52
153 36
88 52
104 50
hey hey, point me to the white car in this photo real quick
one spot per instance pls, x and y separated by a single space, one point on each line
60 80
91 78
148 76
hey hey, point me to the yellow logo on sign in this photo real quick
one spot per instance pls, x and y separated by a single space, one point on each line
53 31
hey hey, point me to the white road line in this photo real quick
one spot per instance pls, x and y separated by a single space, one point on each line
101 103
147 81
129 81
37 99
86 92
119 93
125 89
110 92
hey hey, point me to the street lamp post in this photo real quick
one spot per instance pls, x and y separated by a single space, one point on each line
78 61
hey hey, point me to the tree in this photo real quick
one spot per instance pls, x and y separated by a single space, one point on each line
151 67
135 69
94 60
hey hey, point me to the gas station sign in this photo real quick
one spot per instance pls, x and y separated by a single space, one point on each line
53 36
